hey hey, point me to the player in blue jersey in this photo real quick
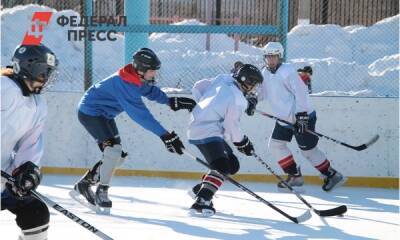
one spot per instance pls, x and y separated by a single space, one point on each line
123 92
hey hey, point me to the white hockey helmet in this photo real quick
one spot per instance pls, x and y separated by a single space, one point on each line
273 48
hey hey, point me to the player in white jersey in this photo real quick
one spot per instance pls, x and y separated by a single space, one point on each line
288 97
215 119
23 113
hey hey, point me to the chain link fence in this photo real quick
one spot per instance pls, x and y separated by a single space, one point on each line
352 46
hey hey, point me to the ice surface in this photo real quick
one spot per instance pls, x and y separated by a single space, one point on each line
157 208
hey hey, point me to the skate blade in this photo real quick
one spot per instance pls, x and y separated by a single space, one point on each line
203 213
81 200
295 189
103 210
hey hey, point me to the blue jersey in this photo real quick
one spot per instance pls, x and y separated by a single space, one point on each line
122 92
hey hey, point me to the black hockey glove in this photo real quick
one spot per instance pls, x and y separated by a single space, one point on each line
301 124
245 146
173 143
177 103
27 177
251 104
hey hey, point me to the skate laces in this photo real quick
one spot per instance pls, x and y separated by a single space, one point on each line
202 201
330 175
102 192
294 176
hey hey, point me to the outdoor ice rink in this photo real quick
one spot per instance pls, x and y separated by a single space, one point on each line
158 208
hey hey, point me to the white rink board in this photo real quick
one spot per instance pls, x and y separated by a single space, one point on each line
352 120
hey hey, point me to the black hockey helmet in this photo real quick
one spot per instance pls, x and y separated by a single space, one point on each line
236 66
35 63
145 59
306 69
248 76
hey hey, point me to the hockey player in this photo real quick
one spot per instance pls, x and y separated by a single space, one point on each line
305 75
123 91
23 113
220 103
289 100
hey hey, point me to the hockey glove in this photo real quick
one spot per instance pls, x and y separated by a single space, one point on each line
245 146
251 104
177 103
301 124
172 143
27 177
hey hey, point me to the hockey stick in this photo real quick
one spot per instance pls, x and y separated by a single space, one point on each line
62 210
357 148
323 213
304 217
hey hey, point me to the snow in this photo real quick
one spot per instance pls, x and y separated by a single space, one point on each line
352 61
362 93
148 208
385 65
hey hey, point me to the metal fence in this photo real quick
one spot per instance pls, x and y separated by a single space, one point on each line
356 12
352 46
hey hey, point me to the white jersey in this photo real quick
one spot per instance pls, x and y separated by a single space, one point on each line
220 103
285 92
22 120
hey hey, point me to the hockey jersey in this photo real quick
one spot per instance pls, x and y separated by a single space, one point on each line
285 92
22 122
121 92
220 104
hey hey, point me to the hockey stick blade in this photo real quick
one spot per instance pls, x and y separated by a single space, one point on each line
303 217
331 212
366 145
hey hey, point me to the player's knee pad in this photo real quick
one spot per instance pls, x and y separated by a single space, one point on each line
234 164
221 165
109 143
111 159
315 156
37 233
32 215
278 149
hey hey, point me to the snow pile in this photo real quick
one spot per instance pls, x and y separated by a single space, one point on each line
353 60
385 65
358 44
349 58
